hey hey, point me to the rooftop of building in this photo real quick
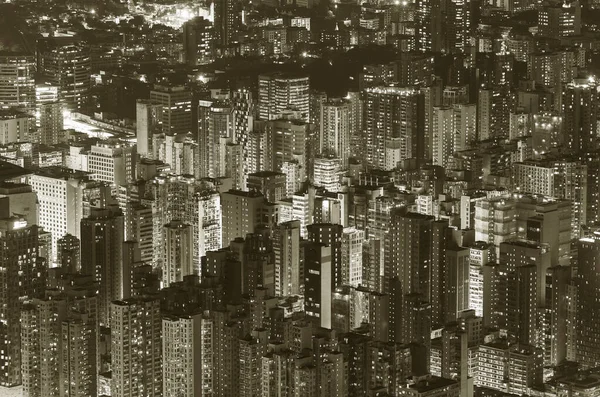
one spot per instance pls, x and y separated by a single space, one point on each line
59 172
500 344
522 243
583 379
414 215
432 383
17 54
11 171
7 187
266 174
242 193
12 113
284 75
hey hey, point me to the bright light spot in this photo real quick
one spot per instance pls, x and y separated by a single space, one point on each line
66 114
592 79
92 11
304 54
202 78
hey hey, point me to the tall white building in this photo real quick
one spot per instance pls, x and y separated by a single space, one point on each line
215 130
334 137
14 126
534 178
49 115
209 217
148 123
302 210
111 163
352 250
178 151
62 196
295 174
196 203
278 92
187 351
327 173
453 129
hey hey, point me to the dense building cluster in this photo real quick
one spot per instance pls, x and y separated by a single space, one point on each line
300 198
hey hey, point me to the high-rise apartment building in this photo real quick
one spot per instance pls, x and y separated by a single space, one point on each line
209 221
193 202
588 322
336 129
428 25
493 110
579 116
562 179
479 256
318 281
176 102
560 329
179 252
64 196
286 140
23 277
17 81
272 185
14 126
330 235
394 123
407 276
80 337
243 212
288 271
41 323
456 282
352 256
198 41
148 123
215 130
136 348
102 236
112 163
49 115
278 92
68 67
68 253
327 172
558 20
187 355
442 129
228 18
495 221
